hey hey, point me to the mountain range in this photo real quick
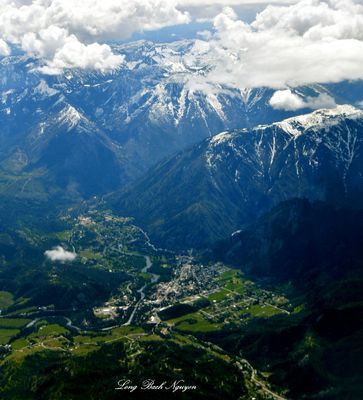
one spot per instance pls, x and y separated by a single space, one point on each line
151 160
108 129
216 187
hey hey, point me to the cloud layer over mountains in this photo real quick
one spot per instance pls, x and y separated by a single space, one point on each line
287 45
289 101
66 33
309 42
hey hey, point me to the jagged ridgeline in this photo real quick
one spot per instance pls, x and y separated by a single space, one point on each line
107 179
214 188
85 133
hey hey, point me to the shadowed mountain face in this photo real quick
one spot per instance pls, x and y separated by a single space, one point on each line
316 251
84 133
65 156
212 189
306 243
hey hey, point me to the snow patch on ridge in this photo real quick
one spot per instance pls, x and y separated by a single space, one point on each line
221 137
318 119
70 117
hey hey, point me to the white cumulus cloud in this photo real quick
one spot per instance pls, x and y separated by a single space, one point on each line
72 34
288 101
205 10
225 3
290 43
66 51
312 41
4 48
59 254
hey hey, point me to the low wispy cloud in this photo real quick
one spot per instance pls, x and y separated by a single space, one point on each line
60 255
289 101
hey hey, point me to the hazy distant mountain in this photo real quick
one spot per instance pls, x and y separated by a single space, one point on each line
208 191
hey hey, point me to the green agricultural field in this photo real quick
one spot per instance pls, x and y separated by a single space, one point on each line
127 330
263 311
63 236
123 262
13 322
19 344
48 331
99 338
228 275
90 254
21 311
47 336
220 296
236 285
233 281
194 322
150 338
88 343
7 334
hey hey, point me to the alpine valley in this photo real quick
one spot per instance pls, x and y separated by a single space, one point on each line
156 225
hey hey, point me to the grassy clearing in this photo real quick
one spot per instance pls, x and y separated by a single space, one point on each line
150 338
144 275
233 281
63 236
20 311
86 344
6 299
236 285
50 330
219 296
90 255
263 311
19 344
50 336
108 335
7 334
21 301
194 322
228 275
298 308
127 330
13 322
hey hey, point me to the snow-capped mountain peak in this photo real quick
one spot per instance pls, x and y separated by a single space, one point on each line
319 119
70 116
239 174
156 104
